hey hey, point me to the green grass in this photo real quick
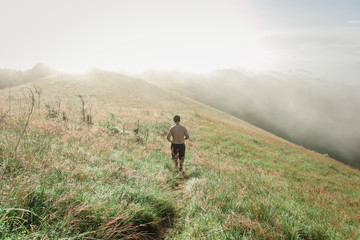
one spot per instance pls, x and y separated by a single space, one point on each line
71 180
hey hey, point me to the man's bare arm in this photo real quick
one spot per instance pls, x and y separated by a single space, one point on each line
168 137
186 134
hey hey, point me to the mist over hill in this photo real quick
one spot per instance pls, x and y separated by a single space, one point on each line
11 77
311 112
88 158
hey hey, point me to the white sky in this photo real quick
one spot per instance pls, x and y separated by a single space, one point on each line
318 36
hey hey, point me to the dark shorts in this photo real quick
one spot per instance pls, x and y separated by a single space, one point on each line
178 151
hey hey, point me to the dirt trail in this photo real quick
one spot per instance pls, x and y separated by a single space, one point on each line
179 191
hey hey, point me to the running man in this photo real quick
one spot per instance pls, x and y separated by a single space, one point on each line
177 135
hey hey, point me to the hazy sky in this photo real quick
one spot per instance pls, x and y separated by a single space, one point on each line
318 36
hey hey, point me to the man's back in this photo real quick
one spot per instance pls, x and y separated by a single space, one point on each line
178 132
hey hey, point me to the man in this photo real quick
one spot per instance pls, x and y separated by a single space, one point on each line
177 135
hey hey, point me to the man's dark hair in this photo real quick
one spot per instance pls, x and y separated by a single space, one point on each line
177 118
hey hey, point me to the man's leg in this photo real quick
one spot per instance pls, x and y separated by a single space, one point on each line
176 162
182 157
175 155
181 161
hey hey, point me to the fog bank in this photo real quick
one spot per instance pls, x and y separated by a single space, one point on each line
317 114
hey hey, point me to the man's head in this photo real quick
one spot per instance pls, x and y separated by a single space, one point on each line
176 118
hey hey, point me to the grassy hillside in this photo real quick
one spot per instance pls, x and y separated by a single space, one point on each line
318 114
92 162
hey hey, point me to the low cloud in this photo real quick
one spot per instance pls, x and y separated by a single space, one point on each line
311 112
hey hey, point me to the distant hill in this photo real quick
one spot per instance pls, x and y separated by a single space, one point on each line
314 113
11 78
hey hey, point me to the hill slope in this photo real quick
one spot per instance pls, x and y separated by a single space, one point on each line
92 162
320 115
